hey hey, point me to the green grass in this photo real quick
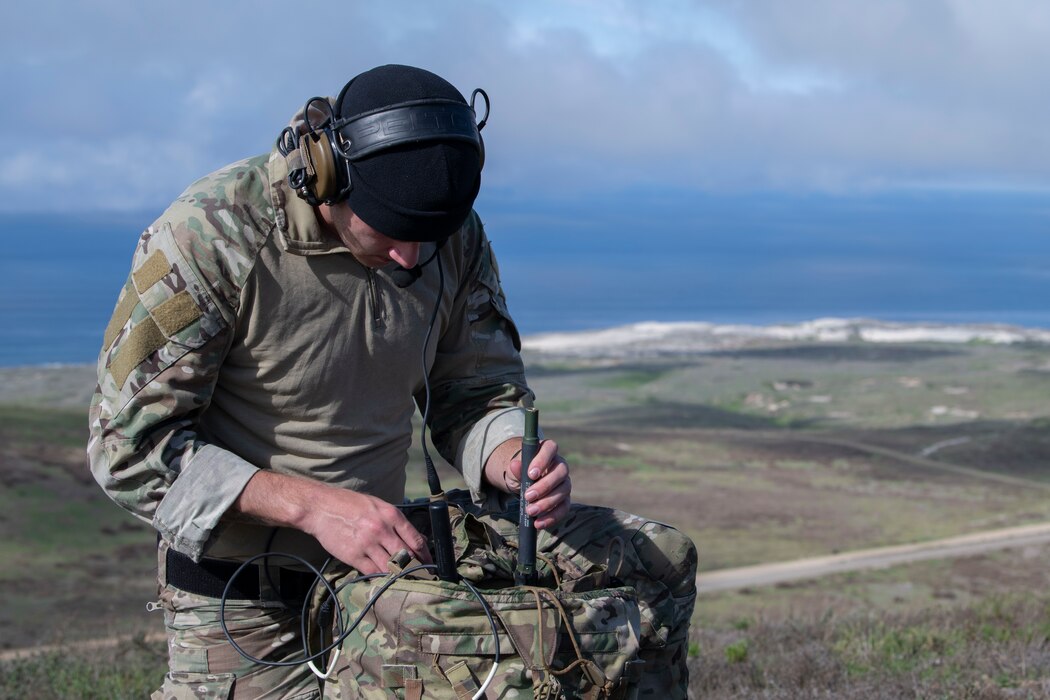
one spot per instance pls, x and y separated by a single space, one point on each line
132 671
977 651
909 589
629 380
736 652
43 527
54 426
863 387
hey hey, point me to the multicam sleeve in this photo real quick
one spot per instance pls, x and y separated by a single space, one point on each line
479 386
160 358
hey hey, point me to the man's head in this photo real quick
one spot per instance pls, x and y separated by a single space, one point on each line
415 191
369 246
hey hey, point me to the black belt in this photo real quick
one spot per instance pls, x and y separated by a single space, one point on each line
209 578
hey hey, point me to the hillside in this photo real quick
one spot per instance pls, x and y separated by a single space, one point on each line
763 449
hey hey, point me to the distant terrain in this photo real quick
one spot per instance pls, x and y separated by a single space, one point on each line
763 447
767 449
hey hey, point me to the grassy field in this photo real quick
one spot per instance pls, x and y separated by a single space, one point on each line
766 454
72 562
995 648
779 453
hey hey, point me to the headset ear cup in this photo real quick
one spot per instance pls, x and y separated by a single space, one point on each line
319 151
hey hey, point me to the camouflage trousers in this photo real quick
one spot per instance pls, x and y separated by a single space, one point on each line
654 558
203 665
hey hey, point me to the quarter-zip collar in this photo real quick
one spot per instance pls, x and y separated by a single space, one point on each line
299 230
374 298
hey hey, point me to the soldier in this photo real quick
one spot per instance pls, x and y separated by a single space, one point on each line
259 375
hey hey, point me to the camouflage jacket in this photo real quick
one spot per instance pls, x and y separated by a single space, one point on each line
247 338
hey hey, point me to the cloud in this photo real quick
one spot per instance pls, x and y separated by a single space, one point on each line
124 103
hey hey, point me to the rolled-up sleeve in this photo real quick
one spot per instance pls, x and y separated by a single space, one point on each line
484 437
207 486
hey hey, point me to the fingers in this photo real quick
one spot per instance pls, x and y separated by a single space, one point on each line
368 565
552 480
365 532
397 534
549 497
413 541
512 476
554 516
375 557
545 457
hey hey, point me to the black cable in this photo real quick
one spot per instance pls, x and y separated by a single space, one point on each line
432 476
229 586
326 110
266 567
306 597
287 141
304 612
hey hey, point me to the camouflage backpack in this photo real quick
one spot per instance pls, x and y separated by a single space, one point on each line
574 635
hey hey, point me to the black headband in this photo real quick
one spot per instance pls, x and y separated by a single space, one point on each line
415 122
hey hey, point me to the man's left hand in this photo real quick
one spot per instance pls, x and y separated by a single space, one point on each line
549 497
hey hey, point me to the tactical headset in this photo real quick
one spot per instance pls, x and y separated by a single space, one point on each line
319 159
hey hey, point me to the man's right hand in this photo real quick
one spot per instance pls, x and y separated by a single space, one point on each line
357 529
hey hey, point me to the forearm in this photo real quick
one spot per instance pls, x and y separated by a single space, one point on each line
360 530
278 499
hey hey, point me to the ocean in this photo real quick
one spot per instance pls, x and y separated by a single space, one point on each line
661 256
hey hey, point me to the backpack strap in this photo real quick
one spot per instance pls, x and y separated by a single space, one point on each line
627 686
462 680
404 676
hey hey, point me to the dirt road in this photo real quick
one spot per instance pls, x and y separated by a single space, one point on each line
877 558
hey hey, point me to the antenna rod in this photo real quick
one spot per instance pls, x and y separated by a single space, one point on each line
525 573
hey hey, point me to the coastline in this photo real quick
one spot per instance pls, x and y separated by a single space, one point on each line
649 339
55 385
70 385
659 338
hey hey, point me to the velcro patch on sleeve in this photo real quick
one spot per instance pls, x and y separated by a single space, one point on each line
143 340
151 271
176 313
129 299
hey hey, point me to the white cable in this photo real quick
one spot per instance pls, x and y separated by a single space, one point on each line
331 666
495 638
485 685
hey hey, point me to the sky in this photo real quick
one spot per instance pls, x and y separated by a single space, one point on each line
674 160
118 105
